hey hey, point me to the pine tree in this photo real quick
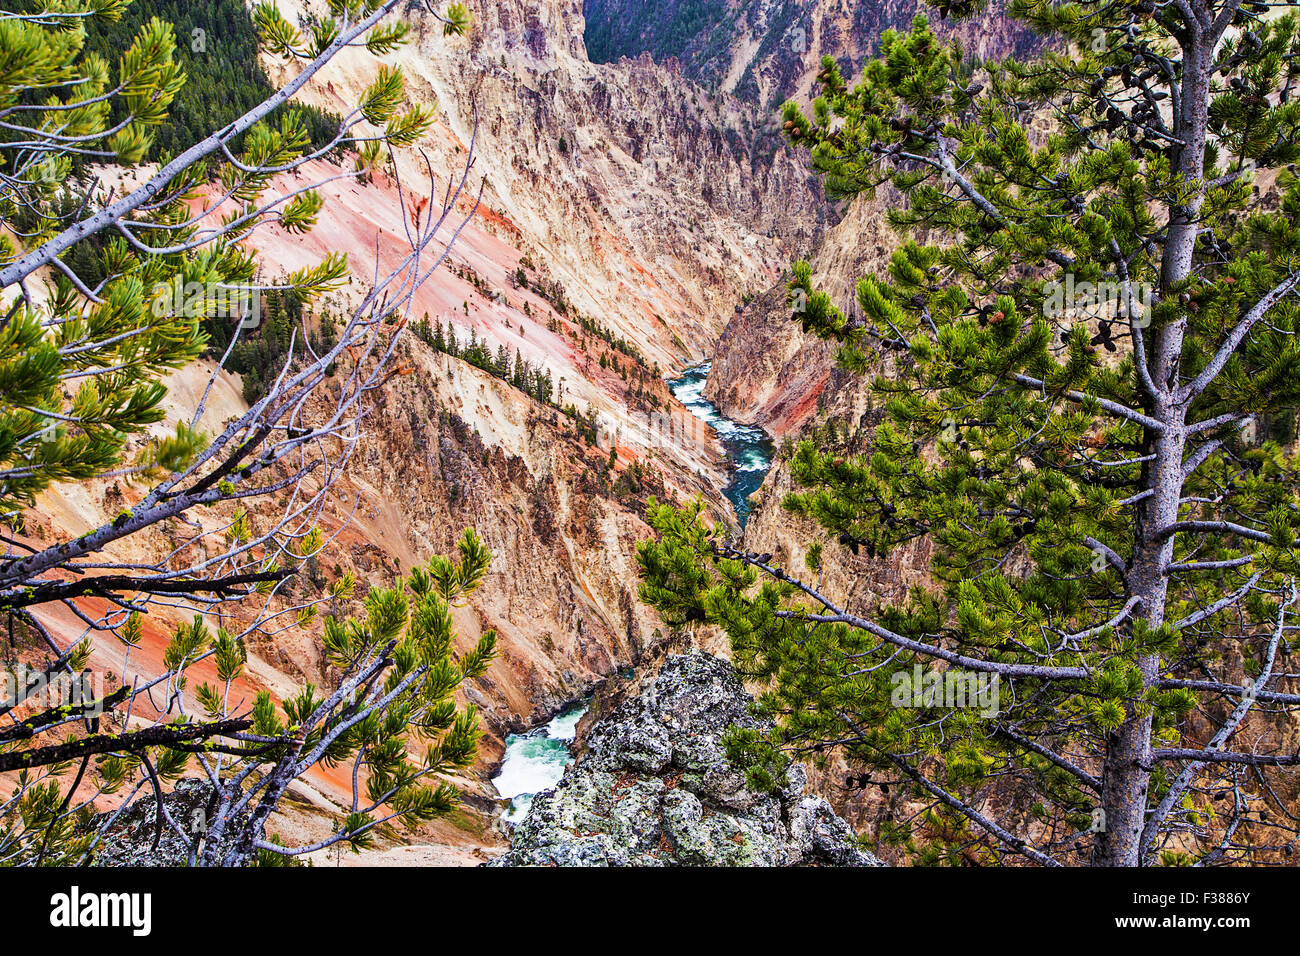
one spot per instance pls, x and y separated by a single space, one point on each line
1073 366
519 376
391 715
135 277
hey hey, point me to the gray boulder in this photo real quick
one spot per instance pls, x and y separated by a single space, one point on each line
652 787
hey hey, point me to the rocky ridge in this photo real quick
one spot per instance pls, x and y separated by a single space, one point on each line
764 51
653 787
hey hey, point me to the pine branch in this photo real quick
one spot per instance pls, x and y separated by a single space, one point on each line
160 735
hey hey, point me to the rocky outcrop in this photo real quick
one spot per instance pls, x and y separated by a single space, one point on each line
653 787
140 836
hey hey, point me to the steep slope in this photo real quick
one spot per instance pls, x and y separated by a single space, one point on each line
624 213
650 202
766 370
765 51
457 448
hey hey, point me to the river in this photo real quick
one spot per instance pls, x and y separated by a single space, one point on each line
749 449
535 760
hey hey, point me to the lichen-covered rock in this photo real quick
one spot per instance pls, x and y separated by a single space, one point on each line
653 787
136 836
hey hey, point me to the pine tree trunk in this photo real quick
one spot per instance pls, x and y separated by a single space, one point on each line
1126 776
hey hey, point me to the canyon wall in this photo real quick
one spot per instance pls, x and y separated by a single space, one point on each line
650 201
624 212
765 51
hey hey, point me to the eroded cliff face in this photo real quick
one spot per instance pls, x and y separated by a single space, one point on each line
766 370
463 449
628 197
454 448
766 51
652 203
621 203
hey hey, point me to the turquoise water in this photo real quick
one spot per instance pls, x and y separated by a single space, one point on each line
749 449
535 761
